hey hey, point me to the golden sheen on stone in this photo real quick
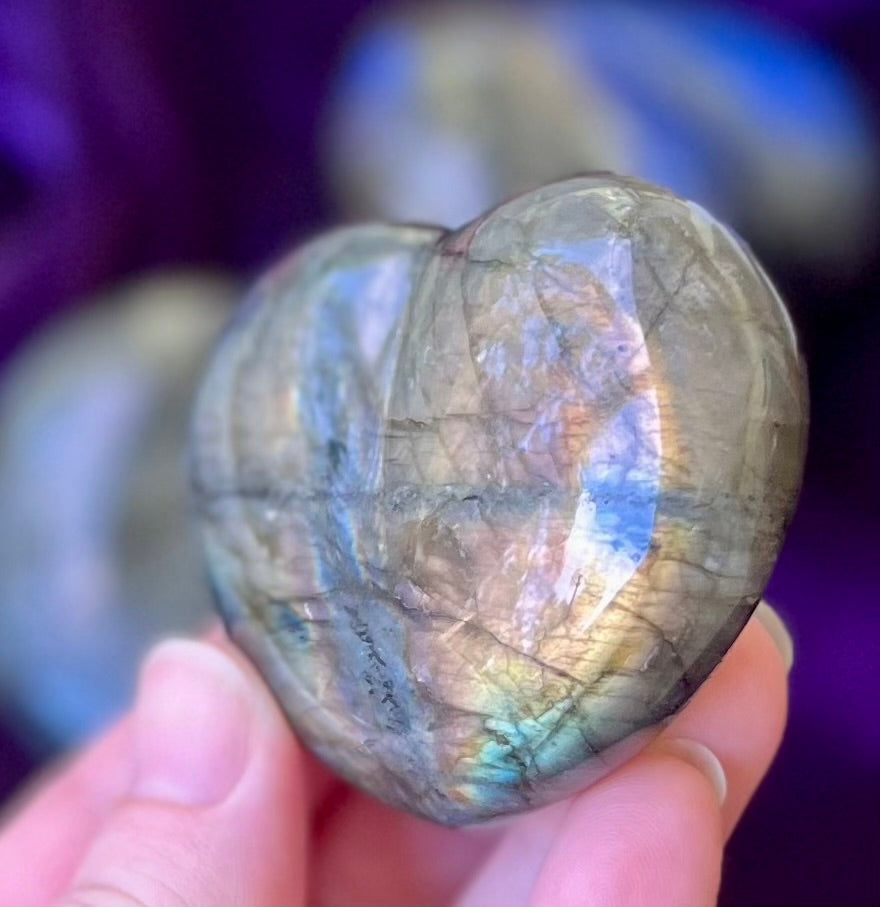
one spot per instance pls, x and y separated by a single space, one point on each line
486 505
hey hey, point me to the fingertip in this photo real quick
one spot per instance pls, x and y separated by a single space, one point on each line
648 834
192 726
770 620
215 808
739 715
653 830
701 758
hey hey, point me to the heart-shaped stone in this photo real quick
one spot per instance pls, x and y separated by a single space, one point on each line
484 504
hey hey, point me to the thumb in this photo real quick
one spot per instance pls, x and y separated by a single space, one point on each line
214 811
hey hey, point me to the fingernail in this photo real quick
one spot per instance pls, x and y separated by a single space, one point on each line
775 626
702 758
192 725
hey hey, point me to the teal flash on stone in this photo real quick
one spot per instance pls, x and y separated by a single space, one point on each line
487 506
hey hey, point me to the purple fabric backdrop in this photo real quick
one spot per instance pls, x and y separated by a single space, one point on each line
136 134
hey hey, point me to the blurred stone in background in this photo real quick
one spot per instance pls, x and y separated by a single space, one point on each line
98 556
442 110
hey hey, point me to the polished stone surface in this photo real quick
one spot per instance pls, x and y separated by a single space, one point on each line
485 505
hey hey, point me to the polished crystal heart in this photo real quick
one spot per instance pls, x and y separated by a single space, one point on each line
484 505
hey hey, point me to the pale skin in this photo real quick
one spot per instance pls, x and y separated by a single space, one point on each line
202 795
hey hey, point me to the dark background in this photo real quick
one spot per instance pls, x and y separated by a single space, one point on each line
135 134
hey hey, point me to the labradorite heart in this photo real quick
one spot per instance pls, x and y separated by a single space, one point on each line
484 504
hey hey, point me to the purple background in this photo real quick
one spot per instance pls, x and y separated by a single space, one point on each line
134 134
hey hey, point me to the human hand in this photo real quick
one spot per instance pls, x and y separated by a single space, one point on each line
202 795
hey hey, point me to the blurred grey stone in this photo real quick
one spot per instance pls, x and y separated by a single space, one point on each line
98 556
